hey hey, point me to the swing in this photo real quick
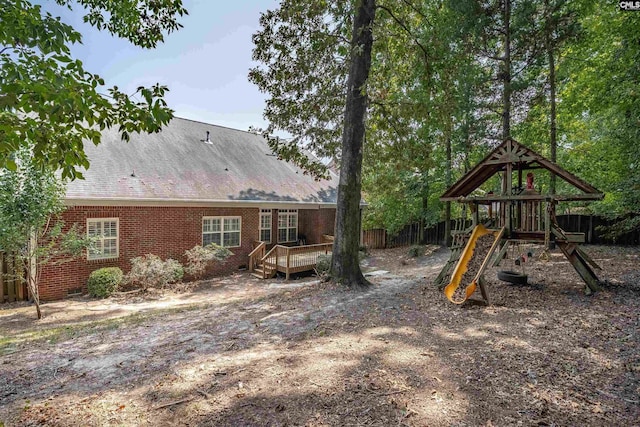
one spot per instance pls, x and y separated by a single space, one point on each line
518 259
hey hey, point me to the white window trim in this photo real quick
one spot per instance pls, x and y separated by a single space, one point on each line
222 231
269 213
288 212
97 257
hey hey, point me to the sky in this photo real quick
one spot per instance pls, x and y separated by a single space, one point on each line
204 64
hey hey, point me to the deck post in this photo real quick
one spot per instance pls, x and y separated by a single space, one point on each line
287 265
547 225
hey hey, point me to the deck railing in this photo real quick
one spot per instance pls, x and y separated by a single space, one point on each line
294 259
256 255
270 260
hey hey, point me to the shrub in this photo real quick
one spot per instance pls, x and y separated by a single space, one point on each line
176 269
323 266
104 281
150 271
199 258
416 251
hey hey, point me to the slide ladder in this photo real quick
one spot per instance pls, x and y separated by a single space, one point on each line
467 255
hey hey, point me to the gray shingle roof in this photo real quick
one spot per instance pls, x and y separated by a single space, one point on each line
177 164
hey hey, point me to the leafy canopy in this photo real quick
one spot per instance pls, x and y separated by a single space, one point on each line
48 99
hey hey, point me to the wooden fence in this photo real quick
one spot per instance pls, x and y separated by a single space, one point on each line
590 225
435 235
379 238
12 288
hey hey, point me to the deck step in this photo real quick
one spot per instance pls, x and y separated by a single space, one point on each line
261 272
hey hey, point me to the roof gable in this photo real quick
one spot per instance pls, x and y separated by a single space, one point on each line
521 157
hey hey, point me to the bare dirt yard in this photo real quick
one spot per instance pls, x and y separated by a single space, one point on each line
239 351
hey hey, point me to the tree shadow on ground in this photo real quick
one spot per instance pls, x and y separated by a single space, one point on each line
396 353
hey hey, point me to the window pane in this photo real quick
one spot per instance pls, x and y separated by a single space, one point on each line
265 221
94 229
110 229
282 220
231 239
211 238
282 235
232 224
110 247
96 248
265 236
293 220
293 235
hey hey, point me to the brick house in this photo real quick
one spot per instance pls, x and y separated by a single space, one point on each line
192 183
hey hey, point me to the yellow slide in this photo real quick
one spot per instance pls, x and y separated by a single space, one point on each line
463 262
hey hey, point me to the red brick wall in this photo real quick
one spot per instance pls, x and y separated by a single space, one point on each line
167 232
313 223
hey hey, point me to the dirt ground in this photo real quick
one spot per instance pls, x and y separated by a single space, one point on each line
239 351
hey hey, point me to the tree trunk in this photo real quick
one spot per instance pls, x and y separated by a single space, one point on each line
552 94
32 273
33 290
447 184
506 73
425 203
345 268
553 132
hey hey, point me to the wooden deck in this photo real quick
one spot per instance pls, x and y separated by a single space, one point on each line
286 259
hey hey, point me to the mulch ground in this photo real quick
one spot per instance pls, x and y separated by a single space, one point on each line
239 351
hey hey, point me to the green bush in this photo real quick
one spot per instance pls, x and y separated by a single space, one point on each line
176 269
104 281
323 266
415 251
149 271
199 258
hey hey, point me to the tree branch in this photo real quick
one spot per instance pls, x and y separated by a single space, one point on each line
404 27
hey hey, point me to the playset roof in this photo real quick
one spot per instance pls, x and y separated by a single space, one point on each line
519 157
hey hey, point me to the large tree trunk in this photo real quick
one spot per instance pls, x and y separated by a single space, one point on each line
506 73
552 92
345 268
447 183
552 100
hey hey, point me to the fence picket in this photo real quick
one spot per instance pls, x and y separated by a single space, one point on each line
12 287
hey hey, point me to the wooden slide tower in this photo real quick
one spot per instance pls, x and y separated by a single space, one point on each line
526 215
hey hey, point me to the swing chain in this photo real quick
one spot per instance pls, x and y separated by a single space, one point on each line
544 255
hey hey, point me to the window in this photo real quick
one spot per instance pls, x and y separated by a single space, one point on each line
287 225
265 225
223 231
104 238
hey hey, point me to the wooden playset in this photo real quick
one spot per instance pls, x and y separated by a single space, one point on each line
517 214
